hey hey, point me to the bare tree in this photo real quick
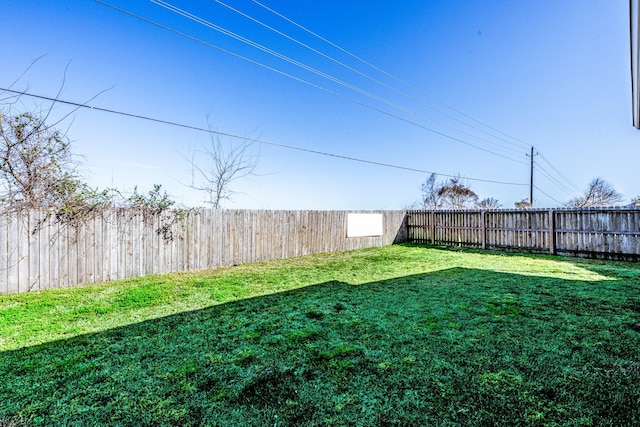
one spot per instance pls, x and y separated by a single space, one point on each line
37 167
489 203
35 162
456 195
430 197
598 193
216 165
523 204
451 194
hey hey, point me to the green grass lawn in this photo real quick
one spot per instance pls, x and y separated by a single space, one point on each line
403 335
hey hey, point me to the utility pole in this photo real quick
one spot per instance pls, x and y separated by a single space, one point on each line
531 180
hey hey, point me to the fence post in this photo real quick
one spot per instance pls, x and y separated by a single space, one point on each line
483 225
432 218
552 232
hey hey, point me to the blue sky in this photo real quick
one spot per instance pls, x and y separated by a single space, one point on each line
550 74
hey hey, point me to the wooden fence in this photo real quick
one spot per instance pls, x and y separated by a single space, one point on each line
39 252
610 233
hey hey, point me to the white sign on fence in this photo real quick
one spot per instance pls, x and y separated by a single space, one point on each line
364 225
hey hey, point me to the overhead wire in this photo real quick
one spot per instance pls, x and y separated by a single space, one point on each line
518 142
244 40
303 81
544 173
257 140
397 79
560 174
222 30
367 76
553 180
546 194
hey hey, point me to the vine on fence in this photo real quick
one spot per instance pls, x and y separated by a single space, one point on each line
40 173
156 204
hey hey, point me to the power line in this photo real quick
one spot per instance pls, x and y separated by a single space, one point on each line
260 141
377 81
302 80
555 200
545 173
251 43
403 82
567 180
358 58
315 71
554 180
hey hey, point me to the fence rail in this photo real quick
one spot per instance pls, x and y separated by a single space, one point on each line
612 233
39 252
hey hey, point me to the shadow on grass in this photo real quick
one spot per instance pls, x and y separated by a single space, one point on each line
459 346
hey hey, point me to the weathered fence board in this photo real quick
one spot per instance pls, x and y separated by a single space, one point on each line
38 251
596 232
